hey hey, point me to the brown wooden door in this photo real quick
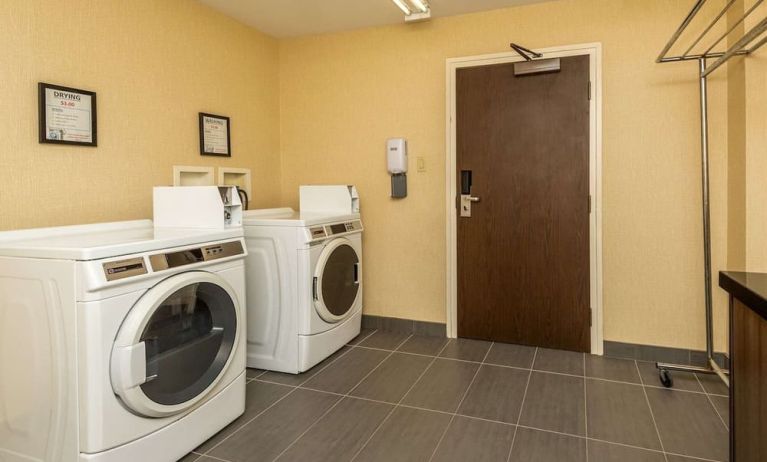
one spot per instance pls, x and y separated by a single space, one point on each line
523 255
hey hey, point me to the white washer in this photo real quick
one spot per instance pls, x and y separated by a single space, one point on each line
304 280
119 342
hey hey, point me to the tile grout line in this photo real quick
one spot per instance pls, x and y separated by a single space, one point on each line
708 397
652 413
391 412
571 435
294 388
274 403
586 407
250 379
522 406
408 406
199 456
517 368
206 453
338 401
370 334
457 408
203 457
685 456
417 354
544 430
676 390
309 427
272 382
391 353
483 362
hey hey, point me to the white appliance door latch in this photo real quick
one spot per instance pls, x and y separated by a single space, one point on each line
128 366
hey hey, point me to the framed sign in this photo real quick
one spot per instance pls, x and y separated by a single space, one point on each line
214 135
66 115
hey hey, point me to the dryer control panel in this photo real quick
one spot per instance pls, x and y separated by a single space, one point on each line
318 233
136 266
162 261
121 269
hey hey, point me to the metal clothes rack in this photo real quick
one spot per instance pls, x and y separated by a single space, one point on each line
741 47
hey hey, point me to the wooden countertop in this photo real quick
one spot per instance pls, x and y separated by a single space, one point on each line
749 288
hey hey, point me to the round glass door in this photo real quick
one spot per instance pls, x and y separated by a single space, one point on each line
337 281
175 344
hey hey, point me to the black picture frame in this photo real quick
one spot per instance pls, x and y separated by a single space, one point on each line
42 114
203 151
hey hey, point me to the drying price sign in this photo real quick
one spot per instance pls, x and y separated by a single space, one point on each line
67 115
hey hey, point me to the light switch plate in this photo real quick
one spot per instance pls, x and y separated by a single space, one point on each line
421 164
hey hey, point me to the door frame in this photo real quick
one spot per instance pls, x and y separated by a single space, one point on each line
594 51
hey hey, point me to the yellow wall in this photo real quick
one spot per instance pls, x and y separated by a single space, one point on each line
736 147
756 157
747 163
319 109
342 95
154 65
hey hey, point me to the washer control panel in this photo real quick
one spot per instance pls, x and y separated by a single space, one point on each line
317 233
163 261
121 269
138 266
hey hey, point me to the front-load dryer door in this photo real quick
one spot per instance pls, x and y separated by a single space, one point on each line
336 283
175 344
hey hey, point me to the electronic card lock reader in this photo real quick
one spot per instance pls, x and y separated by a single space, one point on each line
466 199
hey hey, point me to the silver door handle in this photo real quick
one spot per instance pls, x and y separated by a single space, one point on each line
465 205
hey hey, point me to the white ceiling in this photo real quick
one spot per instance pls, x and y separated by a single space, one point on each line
292 18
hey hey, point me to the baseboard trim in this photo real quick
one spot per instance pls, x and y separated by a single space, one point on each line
635 351
408 326
662 354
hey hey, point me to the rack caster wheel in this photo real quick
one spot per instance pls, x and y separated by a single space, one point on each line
665 378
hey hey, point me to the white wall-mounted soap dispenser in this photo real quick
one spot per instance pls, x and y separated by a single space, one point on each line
396 162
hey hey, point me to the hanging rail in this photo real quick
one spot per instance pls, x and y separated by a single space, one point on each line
710 26
739 48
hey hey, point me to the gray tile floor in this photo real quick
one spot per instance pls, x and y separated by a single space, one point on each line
393 397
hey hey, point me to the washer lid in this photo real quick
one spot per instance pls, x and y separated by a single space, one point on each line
288 217
103 240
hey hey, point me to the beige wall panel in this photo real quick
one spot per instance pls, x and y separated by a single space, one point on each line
319 109
154 66
343 95
756 161
736 148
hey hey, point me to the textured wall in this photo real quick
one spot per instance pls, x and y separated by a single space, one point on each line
747 160
756 155
343 94
318 110
154 66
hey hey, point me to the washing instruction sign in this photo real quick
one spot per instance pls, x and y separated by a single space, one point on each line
67 115
214 135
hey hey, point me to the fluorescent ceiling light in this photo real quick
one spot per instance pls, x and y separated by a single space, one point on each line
421 5
403 7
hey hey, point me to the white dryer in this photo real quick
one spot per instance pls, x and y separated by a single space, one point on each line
304 286
119 342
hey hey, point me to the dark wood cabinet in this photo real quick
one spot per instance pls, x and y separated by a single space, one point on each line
748 365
